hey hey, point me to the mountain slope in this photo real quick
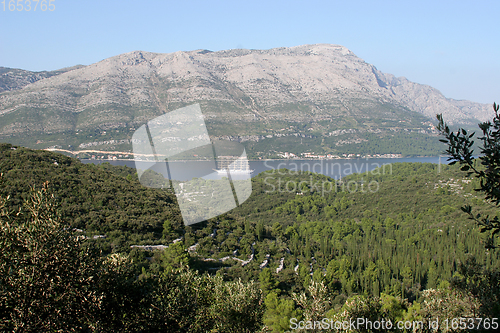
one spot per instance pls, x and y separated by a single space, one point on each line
306 92
14 78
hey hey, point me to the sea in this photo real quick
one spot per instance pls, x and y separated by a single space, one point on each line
335 168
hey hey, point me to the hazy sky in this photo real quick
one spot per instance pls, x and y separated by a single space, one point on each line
453 46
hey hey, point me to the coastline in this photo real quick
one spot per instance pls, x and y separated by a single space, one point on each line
296 158
273 159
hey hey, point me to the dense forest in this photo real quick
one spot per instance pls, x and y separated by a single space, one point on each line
80 251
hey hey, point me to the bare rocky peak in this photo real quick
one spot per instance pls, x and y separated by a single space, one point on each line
320 74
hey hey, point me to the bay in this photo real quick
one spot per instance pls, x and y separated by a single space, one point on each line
336 168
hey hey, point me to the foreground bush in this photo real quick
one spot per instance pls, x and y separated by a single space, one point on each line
51 282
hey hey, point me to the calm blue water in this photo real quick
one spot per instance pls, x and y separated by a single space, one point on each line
332 168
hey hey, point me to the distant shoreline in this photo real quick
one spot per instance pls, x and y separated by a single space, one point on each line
75 153
272 159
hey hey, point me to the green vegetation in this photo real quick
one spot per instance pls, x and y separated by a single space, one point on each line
52 280
391 243
460 148
90 197
407 144
374 127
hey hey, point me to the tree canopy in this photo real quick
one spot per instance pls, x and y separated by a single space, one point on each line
460 149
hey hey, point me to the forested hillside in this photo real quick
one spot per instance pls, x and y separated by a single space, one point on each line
97 199
391 243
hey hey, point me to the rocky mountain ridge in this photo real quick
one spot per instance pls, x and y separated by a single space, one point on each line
15 78
313 89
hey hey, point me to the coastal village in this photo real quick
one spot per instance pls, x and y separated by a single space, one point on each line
312 155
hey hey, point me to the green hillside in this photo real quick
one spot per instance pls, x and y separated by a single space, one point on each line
385 129
391 243
98 199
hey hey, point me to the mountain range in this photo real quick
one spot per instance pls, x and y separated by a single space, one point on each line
312 98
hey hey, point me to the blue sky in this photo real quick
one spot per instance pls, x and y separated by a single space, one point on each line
453 46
